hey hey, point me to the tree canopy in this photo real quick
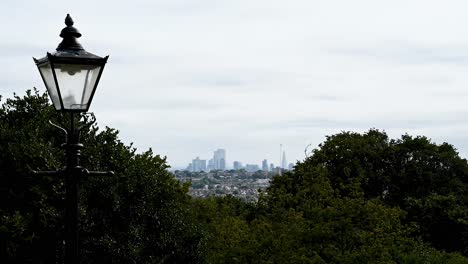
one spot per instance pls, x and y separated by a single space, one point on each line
427 181
358 198
136 216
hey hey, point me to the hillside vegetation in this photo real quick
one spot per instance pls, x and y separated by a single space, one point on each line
358 198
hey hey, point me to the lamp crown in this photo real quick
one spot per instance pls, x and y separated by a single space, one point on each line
69 21
69 35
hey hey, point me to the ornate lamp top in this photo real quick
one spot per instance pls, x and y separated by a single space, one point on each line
69 35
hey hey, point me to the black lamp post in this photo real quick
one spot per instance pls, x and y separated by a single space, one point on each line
71 75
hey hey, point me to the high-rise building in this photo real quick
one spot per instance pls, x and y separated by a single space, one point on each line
189 167
198 164
251 167
211 164
219 159
222 164
264 165
290 166
284 164
272 167
237 165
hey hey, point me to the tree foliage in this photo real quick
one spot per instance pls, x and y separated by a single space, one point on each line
139 215
427 181
359 198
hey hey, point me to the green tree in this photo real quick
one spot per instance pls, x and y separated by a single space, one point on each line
341 205
427 181
140 215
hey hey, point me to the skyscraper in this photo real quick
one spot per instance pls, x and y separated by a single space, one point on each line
280 160
198 164
264 165
219 159
237 165
284 164
251 167
210 164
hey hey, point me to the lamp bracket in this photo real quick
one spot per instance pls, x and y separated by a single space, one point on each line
48 173
97 173
61 128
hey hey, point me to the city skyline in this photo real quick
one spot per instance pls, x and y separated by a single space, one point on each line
220 162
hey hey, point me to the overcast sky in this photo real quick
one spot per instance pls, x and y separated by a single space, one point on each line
188 77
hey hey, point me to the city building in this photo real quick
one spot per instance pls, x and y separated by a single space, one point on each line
210 164
278 170
218 162
283 161
264 165
252 167
237 165
198 164
219 159
272 167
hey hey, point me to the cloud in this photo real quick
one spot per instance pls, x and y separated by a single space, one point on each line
402 53
18 49
186 77
410 121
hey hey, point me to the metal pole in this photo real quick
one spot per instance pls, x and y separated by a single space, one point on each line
73 172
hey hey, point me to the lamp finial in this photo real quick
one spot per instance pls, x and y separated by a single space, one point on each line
69 21
69 35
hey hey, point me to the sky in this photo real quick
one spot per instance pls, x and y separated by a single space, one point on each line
188 77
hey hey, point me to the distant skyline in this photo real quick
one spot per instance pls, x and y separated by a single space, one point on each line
186 77
219 161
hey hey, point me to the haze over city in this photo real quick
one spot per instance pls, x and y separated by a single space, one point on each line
219 161
188 77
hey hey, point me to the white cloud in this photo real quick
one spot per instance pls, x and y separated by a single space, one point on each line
186 77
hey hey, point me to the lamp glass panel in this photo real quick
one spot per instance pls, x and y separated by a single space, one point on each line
76 83
48 77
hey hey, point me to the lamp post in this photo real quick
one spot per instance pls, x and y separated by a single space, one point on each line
71 75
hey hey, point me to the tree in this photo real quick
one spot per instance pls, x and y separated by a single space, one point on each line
360 198
336 229
341 205
427 181
140 215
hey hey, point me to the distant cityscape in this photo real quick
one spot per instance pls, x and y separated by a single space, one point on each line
212 177
219 161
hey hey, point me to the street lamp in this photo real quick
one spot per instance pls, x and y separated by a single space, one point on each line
71 75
